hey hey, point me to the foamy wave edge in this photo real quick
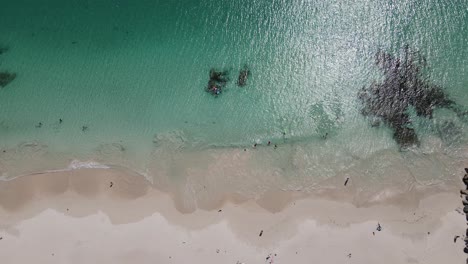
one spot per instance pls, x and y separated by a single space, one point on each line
77 165
74 165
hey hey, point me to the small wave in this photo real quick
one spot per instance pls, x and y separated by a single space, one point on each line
76 165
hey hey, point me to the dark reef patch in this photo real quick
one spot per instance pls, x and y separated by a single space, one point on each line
218 80
3 49
6 78
243 76
405 87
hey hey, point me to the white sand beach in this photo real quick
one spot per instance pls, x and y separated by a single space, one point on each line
77 217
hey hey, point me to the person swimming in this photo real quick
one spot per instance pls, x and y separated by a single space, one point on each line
215 90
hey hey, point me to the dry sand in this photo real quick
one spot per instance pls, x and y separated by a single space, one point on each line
77 217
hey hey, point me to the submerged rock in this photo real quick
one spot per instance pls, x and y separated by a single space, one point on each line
404 87
3 49
6 78
405 136
221 77
465 179
243 76
218 80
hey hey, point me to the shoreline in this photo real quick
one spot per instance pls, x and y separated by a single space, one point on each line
62 203
205 179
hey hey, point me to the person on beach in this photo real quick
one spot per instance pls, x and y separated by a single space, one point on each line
379 227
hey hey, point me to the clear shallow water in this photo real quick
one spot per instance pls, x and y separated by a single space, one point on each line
135 73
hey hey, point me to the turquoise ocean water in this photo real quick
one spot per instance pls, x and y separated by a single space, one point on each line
134 73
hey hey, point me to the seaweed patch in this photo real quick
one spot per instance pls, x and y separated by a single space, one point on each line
404 87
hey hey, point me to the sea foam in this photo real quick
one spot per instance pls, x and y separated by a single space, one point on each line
77 164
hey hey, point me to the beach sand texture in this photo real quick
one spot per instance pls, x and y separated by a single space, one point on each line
77 217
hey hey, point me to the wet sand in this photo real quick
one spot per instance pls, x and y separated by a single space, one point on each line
77 217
